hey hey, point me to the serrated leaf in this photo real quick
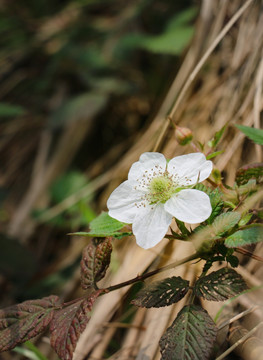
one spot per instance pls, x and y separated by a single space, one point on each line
95 262
21 322
220 285
191 336
225 222
68 324
162 293
253 134
181 226
251 235
249 172
104 226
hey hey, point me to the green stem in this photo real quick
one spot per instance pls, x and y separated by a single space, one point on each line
151 273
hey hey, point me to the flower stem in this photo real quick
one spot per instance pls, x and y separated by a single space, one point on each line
151 273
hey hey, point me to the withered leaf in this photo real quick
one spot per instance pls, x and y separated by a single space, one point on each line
21 322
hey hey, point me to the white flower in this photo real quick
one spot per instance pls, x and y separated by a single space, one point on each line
157 191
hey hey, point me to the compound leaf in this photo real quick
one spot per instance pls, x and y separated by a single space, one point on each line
252 234
220 285
191 335
95 262
68 324
162 293
21 322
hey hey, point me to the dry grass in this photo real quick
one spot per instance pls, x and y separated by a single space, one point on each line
226 90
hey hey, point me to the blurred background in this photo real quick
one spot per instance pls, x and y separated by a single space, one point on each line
85 89
79 80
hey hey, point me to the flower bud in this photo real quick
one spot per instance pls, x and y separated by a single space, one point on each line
183 135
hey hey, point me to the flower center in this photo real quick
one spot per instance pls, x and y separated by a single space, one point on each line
161 188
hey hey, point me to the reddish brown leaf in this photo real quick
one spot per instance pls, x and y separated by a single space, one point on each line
68 324
21 322
95 262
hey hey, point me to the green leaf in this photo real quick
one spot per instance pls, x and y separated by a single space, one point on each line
253 134
66 185
7 110
81 107
172 42
249 172
162 293
214 154
216 204
95 262
32 352
225 222
245 219
219 285
251 235
191 336
182 18
21 322
217 137
181 226
104 226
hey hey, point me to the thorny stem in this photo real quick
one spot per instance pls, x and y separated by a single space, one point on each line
151 273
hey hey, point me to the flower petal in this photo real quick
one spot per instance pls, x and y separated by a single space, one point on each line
150 225
150 164
123 202
189 205
190 168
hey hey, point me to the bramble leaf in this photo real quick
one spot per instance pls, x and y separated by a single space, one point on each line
162 293
220 285
68 324
21 322
225 222
104 226
253 134
248 172
191 335
251 235
95 262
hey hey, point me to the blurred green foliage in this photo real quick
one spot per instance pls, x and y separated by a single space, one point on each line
84 50
81 213
63 62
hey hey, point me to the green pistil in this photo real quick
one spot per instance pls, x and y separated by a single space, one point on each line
161 189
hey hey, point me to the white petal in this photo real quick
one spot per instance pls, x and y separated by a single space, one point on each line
150 164
190 205
190 168
150 225
122 202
